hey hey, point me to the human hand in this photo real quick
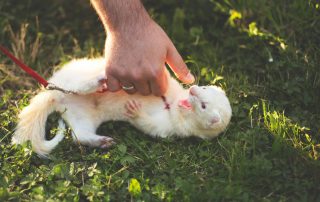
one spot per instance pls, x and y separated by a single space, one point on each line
137 58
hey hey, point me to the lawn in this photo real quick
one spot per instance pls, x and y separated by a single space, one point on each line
264 53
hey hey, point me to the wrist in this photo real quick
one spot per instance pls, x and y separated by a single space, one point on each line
131 28
122 16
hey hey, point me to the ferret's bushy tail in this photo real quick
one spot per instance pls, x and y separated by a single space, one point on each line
32 123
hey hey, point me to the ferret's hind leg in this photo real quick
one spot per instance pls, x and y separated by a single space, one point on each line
84 133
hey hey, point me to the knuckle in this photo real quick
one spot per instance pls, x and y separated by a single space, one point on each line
116 71
144 93
111 70
144 90
137 76
156 72
158 93
113 89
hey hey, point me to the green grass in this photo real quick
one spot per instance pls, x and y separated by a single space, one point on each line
264 53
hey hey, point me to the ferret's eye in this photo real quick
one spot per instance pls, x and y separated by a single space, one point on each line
204 88
203 105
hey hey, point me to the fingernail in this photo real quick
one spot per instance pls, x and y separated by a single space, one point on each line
189 78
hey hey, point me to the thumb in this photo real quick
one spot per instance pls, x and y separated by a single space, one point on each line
176 63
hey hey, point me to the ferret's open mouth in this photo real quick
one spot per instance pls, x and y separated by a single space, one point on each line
185 103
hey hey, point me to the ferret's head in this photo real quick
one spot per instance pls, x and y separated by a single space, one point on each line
209 109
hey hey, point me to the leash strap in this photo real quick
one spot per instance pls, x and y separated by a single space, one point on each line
27 69
166 104
51 86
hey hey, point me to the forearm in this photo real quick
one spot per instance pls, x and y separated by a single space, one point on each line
121 16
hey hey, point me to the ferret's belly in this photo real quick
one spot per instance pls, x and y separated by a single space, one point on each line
99 108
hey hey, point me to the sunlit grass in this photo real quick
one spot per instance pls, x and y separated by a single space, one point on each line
286 131
255 50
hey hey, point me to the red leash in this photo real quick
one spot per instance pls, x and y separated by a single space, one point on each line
35 75
27 69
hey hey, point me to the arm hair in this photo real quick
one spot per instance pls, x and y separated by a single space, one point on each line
121 16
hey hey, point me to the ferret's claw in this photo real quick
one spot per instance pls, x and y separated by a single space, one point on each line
106 142
133 109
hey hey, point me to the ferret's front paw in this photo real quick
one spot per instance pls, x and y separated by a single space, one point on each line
133 109
106 142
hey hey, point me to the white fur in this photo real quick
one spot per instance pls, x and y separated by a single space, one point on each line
85 111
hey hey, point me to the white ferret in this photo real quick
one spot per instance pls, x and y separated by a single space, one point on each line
198 111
